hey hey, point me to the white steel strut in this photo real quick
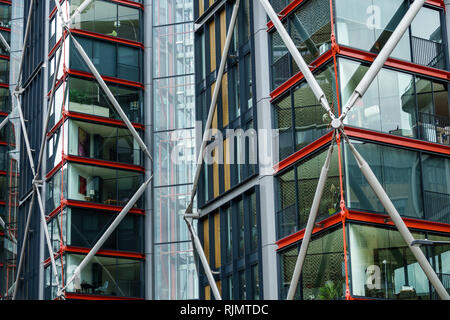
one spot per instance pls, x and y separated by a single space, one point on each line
337 125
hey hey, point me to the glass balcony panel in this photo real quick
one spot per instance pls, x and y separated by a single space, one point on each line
54 186
308 174
383 256
436 188
397 170
103 143
110 59
7 36
323 276
310 29
440 258
5 100
87 226
4 71
288 258
128 23
107 276
87 97
109 19
103 185
55 147
368 24
426 38
5 15
392 112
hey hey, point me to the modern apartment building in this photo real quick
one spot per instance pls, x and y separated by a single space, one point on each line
253 220
92 164
160 60
5 108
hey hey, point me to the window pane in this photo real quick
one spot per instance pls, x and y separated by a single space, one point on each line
368 24
107 276
397 170
128 23
436 185
323 276
128 63
382 256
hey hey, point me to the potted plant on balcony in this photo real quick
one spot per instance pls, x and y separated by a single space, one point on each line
329 291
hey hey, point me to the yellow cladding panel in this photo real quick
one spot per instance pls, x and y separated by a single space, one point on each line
225 100
201 7
223 29
207 292
206 238
212 44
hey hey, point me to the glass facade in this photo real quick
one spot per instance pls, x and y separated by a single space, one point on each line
109 276
108 18
231 240
235 101
368 24
174 272
397 275
298 115
323 276
296 188
310 28
8 227
398 103
399 127
111 59
94 163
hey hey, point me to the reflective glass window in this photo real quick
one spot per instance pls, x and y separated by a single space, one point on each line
107 276
383 266
397 170
393 112
103 142
368 24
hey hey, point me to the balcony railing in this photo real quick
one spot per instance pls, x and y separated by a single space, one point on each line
428 53
434 128
445 279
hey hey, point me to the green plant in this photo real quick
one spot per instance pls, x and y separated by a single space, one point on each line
77 96
329 291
